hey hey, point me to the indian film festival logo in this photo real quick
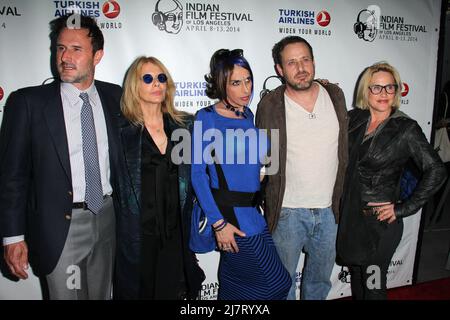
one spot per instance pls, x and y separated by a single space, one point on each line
371 24
344 275
168 16
304 22
210 291
367 23
8 12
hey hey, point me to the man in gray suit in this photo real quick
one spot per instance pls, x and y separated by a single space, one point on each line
59 150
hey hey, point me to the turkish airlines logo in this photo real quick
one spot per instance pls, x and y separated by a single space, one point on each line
2 93
111 9
323 18
405 89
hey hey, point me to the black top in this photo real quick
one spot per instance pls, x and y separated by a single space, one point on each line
160 214
364 147
362 152
161 268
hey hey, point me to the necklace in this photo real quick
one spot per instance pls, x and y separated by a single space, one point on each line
157 130
162 142
236 111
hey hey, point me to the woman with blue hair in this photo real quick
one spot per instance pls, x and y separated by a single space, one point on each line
226 180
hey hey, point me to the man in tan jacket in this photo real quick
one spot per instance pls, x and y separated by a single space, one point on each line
302 199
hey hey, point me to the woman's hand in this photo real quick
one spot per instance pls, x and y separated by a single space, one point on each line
385 211
225 237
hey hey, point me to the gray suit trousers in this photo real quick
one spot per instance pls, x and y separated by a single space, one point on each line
85 268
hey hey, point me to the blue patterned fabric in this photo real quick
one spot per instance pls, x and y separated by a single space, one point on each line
408 183
255 273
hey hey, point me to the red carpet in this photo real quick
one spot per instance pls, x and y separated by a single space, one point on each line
432 290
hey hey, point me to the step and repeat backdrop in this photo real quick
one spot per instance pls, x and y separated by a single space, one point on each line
346 35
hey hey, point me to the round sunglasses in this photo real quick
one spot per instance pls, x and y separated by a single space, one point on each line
148 78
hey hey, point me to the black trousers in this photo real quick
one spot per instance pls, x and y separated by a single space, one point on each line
368 282
162 268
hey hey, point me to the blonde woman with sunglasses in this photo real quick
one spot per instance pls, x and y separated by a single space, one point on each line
153 258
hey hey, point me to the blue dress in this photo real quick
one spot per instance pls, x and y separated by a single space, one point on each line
255 272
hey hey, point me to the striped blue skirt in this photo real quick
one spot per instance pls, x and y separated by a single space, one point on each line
255 272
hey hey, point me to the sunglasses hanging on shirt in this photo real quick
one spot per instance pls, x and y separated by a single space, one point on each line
148 78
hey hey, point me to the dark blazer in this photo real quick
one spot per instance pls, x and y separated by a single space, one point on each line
126 283
36 193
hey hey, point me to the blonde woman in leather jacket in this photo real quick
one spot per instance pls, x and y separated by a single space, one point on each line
382 140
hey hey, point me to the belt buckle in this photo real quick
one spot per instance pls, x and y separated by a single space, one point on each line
80 205
370 211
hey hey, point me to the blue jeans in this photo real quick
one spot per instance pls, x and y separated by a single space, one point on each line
314 231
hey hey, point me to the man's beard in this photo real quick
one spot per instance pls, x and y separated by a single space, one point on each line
300 86
78 77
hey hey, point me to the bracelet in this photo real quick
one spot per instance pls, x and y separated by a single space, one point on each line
220 226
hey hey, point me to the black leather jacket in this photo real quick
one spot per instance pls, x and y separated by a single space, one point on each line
380 170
